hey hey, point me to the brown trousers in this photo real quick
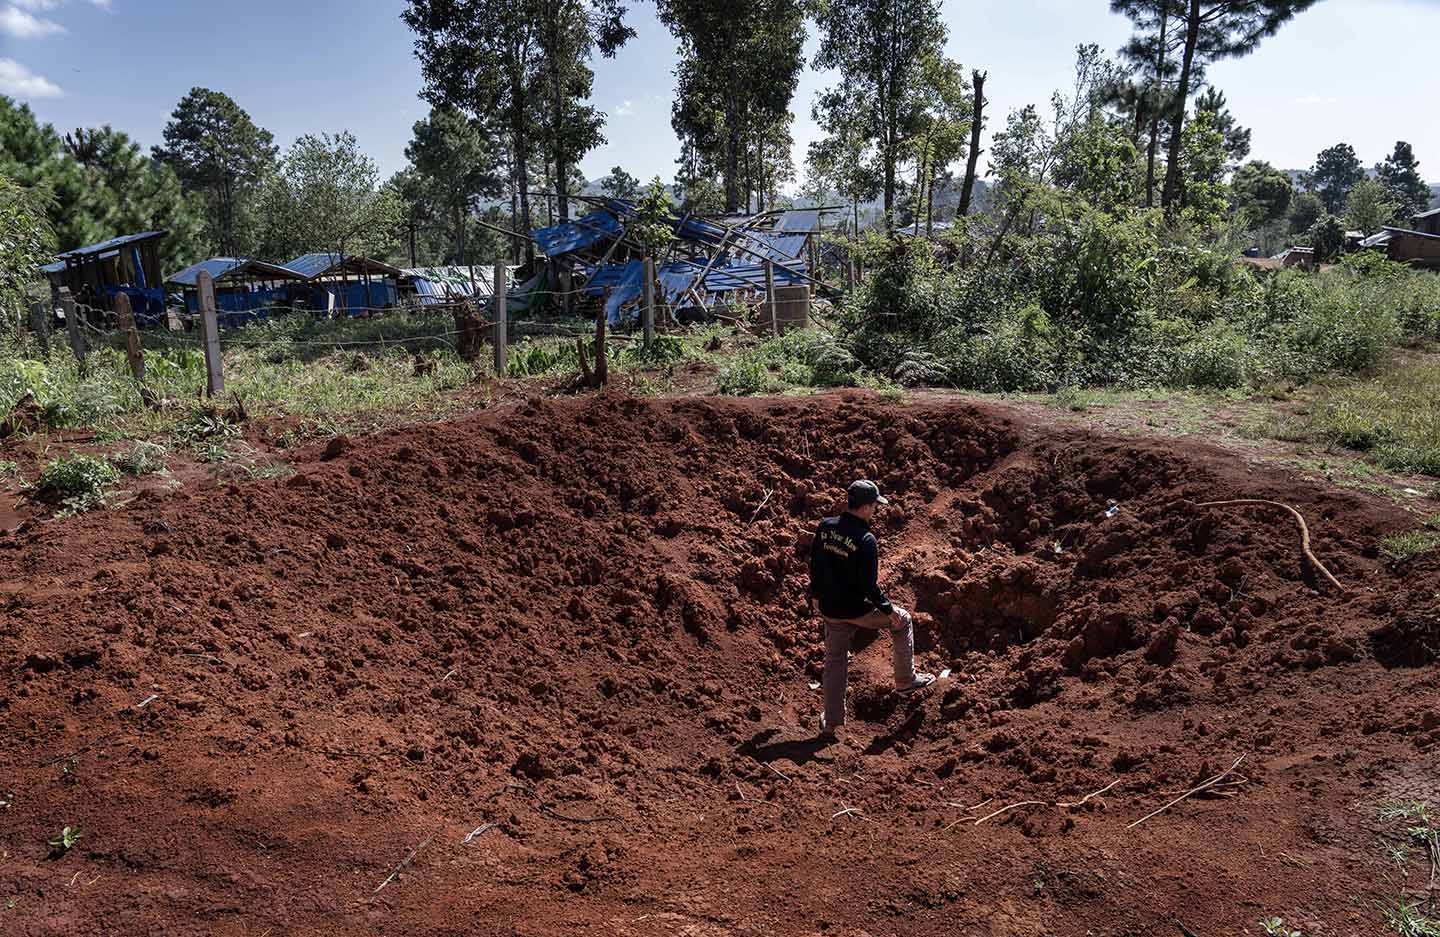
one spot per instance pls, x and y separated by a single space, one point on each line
839 633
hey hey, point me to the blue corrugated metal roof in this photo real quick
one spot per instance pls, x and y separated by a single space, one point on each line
626 289
56 267
311 266
221 268
110 245
799 221
781 247
746 276
578 234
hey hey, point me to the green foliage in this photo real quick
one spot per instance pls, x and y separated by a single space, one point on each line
1337 171
1369 207
651 227
454 165
1400 174
665 351
67 839
1327 237
803 358
77 482
1262 193
145 458
26 240
204 426
216 150
883 49
739 63
90 185
620 184
327 196
1275 927
1409 544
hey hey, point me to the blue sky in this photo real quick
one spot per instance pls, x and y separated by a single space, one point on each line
1361 71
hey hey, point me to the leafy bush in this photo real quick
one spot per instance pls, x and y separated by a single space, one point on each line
78 482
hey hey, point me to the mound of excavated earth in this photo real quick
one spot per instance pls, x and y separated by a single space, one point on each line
547 671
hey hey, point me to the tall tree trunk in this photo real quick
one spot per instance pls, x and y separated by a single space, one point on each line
1158 93
1171 197
889 201
732 170
930 205
976 126
919 188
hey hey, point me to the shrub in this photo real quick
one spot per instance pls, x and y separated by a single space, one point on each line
78 482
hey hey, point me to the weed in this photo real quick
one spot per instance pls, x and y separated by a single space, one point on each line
213 453
9 469
147 458
1275 927
77 482
1410 544
1408 919
67 839
203 426
665 351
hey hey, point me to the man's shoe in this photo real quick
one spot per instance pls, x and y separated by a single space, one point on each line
922 680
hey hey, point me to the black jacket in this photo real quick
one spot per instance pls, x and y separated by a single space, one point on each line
845 568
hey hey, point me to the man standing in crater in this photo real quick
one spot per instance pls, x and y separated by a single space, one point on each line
844 577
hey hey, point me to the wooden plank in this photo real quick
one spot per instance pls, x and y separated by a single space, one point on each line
499 335
210 335
72 325
770 296
133 352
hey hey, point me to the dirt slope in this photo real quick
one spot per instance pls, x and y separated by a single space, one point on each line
576 630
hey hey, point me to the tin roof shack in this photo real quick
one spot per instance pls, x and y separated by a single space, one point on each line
359 285
1416 248
96 273
243 288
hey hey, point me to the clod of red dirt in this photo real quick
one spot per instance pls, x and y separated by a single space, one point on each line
574 631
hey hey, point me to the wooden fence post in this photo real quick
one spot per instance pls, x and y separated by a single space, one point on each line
499 336
210 335
770 297
647 314
133 352
40 325
72 325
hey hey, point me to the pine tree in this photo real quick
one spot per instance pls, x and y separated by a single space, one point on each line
1400 174
1337 171
1217 29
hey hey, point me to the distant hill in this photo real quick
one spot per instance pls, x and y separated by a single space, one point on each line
1435 196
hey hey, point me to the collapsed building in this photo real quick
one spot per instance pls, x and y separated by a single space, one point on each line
708 261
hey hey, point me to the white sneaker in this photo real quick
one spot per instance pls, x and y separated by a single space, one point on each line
922 680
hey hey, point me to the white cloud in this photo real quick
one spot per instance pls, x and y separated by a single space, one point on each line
23 25
41 5
18 81
1310 100
102 4
625 108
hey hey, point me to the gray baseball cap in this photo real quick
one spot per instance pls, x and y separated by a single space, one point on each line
866 492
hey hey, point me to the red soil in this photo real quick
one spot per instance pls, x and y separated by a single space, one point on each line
582 622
